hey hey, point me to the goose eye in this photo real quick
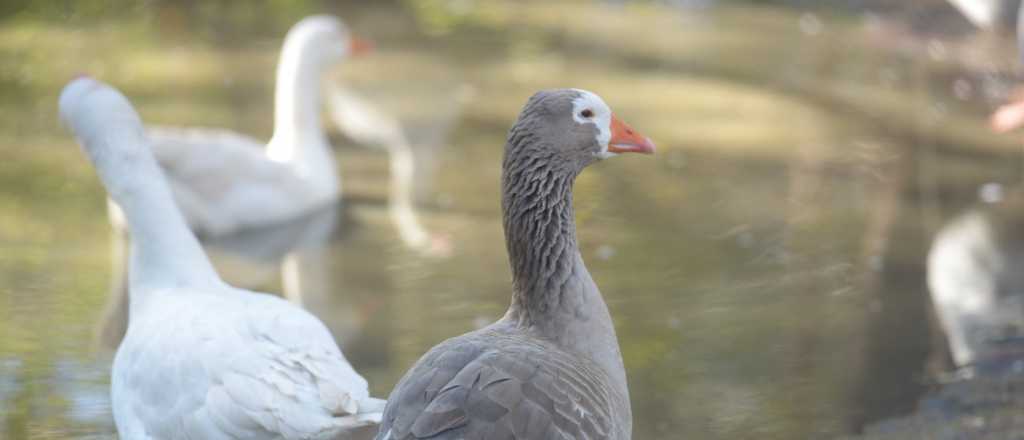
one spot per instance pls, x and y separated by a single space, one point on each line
587 113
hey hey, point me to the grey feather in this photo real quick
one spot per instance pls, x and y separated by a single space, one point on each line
497 383
551 368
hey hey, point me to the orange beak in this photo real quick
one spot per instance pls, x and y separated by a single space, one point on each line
359 46
626 140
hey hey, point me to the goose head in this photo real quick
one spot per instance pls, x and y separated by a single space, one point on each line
323 40
570 129
77 104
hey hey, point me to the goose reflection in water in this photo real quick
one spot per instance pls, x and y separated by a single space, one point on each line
412 140
976 279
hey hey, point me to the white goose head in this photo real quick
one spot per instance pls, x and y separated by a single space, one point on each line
323 40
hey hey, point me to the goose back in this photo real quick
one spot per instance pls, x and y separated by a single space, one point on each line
498 383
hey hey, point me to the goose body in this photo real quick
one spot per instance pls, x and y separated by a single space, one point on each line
551 367
225 181
222 180
202 359
233 364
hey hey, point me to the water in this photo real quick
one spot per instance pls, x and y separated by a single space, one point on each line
765 269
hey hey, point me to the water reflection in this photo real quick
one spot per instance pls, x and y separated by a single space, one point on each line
976 281
412 164
977 290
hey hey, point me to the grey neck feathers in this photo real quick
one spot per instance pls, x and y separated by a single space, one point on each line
540 228
553 294
540 237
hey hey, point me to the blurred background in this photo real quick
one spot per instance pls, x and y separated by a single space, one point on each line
766 269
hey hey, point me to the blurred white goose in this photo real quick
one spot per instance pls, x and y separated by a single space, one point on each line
202 359
976 284
225 182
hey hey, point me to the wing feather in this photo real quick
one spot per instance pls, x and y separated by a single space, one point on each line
496 386
246 366
220 178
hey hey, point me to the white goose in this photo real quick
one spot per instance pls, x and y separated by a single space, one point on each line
225 182
202 359
977 287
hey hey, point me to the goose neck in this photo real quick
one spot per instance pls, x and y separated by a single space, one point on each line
299 140
164 251
553 294
297 98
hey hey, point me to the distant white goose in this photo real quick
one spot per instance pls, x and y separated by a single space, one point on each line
225 182
976 282
202 359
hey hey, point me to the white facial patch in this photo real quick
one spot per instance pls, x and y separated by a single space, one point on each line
601 117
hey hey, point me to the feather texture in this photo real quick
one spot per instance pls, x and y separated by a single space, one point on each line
201 359
551 367
224 182
234 179
232 365
497 383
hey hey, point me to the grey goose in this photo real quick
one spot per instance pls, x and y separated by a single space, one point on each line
551 367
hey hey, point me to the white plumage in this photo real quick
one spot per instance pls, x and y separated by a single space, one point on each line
225 182
201 359
233 364
977 286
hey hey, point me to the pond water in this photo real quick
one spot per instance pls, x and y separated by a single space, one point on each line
765 269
